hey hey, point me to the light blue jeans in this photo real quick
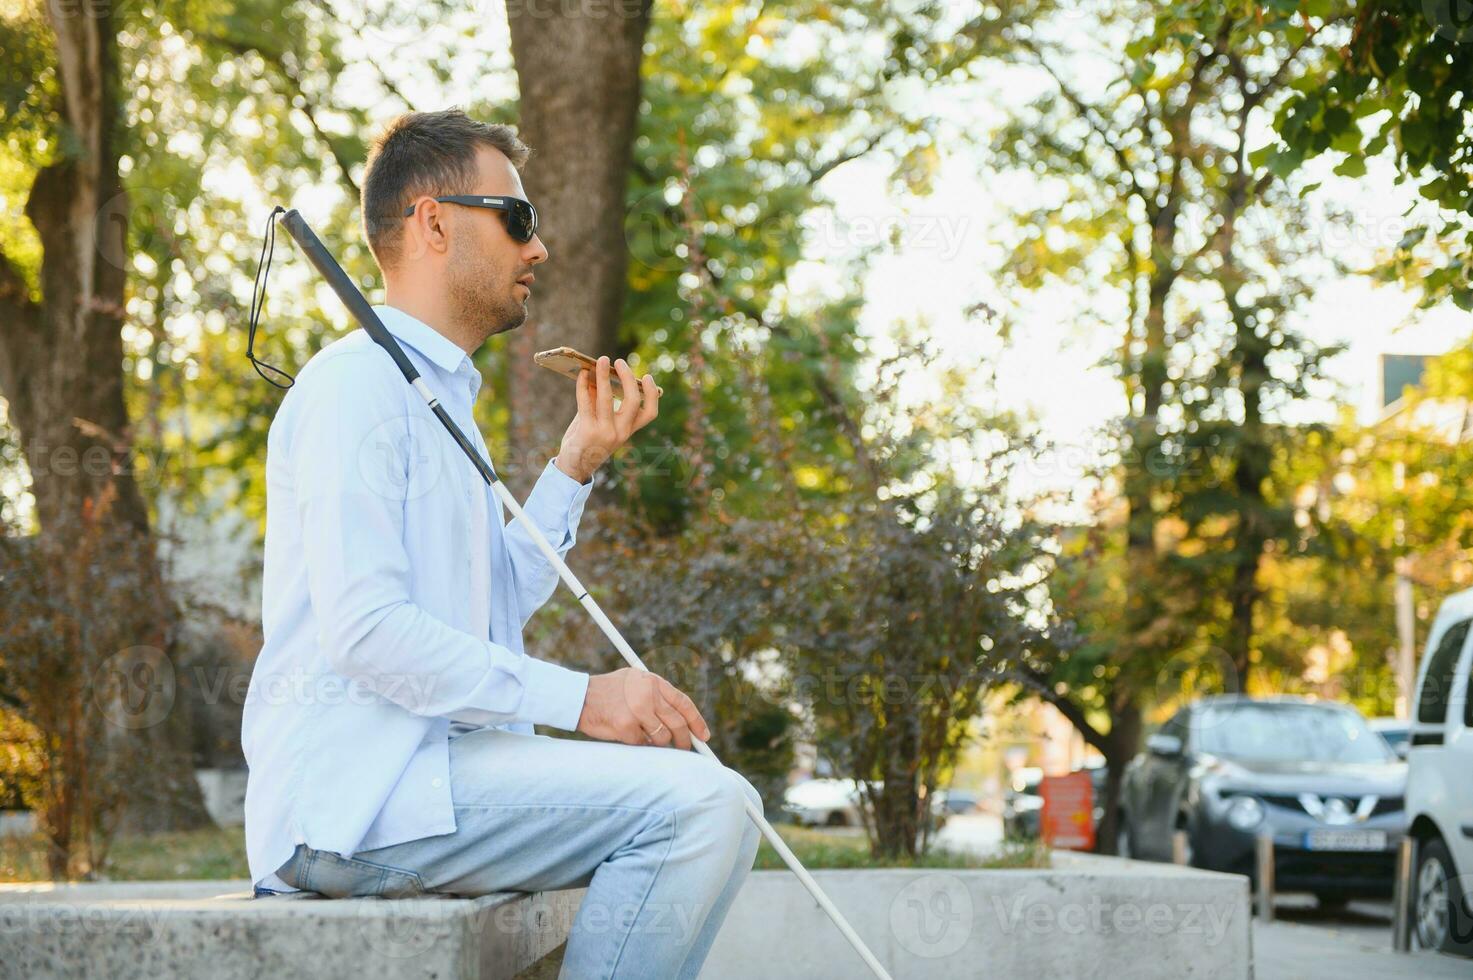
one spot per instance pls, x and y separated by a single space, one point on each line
659 836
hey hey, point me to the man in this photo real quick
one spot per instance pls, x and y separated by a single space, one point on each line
388 726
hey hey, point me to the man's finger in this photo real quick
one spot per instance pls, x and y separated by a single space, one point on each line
627 409
675 730
679 700
650 407
605 392
639 698
585 400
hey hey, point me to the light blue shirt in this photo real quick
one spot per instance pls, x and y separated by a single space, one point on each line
393 602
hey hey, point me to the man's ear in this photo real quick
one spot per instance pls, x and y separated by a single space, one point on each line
430 231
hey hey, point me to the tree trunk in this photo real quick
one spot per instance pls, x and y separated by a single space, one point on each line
1253 454
61 357
1122 743
1250 470
898 805
578 68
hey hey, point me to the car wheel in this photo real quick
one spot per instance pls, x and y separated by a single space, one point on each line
837 819
1438 914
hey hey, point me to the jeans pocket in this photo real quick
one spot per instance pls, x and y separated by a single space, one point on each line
338 877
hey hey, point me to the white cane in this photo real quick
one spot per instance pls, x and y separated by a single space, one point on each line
363 312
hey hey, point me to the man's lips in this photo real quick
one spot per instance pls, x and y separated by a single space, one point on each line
527 281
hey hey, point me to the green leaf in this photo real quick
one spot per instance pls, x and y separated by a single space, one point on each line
1411 238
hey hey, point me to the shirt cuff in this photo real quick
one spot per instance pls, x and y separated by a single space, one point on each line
556 505
553 695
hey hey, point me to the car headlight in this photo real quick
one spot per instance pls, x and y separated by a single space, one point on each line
1244 813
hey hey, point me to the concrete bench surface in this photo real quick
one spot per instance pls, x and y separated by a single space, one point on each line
1085 917
215 930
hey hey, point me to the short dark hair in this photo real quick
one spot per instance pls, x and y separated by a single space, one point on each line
424 153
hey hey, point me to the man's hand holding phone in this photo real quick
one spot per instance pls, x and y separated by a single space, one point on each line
599 428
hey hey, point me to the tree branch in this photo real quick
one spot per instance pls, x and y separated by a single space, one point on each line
823 170
277 60
1037 682
1092 118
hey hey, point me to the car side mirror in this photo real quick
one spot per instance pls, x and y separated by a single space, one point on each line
1403 749
1163 744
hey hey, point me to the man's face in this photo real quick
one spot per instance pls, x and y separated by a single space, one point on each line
489 272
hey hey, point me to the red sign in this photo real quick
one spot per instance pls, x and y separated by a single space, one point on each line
1068 820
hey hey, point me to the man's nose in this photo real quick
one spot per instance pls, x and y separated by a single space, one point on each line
536 252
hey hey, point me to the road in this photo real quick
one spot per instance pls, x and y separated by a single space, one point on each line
979 834
1353 943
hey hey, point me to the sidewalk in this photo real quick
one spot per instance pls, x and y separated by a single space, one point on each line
1297 951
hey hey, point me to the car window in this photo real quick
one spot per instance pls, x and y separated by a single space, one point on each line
1437 682
1289 733
1394 736
1468 698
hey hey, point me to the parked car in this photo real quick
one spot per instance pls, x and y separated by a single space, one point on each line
1022 806
1440 783
946 803
1396 731
1226 769
824 803
953 800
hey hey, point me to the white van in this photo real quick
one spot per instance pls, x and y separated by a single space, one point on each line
1440 783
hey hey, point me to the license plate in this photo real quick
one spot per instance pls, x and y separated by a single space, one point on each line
1345 840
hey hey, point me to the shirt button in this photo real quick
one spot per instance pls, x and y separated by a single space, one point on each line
437 782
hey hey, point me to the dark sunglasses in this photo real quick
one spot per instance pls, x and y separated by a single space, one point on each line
521 216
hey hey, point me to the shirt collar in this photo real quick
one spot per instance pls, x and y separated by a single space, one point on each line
443 352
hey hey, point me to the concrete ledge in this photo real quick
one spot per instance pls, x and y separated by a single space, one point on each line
1086 917
215 930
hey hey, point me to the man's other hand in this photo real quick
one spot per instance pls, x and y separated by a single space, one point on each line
598 429
637 707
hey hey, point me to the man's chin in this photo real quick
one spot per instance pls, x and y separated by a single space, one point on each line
514 318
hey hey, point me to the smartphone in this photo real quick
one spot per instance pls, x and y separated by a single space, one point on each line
568 362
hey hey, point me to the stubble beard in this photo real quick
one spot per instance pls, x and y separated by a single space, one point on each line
479 300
